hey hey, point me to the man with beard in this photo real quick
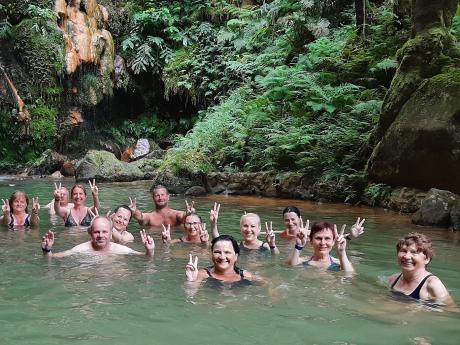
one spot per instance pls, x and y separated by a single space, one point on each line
162 214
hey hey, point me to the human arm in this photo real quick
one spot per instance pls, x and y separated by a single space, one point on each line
34 218
204 235
95 193
438 291
6 218
270 238
300 242
341 245
213 216
148 242
122 237
136 213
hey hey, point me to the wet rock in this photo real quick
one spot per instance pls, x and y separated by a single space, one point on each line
104 166
56 175
403 199
49 163
68 168
178 184
111 146
196 191
156 154
455 216
435 209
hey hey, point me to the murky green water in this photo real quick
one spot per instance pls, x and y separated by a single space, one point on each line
135 300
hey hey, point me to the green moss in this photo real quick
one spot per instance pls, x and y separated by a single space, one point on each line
449 77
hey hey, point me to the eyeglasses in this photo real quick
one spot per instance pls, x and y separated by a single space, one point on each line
190 224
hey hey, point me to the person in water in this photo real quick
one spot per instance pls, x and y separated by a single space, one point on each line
414 253
196 231
120 221
250 227
15 211
294 224
225 252
79 214
63 200
100 231
323 237
162 214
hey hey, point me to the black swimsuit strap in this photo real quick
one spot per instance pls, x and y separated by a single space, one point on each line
396 280
416 293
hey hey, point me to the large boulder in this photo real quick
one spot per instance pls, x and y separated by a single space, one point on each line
436 208
49 162
104 166
421 148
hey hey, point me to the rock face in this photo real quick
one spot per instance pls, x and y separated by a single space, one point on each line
50 162
417 140
436 209
104 166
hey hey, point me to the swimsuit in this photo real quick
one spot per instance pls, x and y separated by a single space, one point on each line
335 267
86 221
262 248
214 282
26 221
414 294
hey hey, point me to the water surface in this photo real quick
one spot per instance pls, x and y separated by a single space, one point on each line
137 300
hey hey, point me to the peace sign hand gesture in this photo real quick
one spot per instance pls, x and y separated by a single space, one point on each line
204 235
148 242
305 229
214 213
132 204
166 233
357 229
57 191
6 206
190 208
340 241
270 237
93 187
35 205
93 214
191 269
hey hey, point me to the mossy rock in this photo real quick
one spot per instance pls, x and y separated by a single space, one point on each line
422 146
104 166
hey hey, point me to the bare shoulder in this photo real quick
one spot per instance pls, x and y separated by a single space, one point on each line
393 277
82 248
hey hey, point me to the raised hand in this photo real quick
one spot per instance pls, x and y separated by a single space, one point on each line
305 229
93 214
57 191
35 205
191 269
132 204
214 213
147 240
340 241
48 241
166 233
357 229
270 237
190 207
204 235
6 206
93 187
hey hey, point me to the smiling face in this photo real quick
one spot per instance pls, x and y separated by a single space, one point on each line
121 219
19 202
160 197
64 196
224 256
411 258
322 241
101 231
78 195
250 227
291 221
191 225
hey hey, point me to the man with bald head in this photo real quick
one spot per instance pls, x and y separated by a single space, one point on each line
100 232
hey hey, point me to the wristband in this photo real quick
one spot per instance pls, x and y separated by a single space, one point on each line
46 250
298 247
348 237
272 247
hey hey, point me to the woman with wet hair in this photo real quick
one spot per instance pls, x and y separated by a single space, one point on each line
414 252
15 211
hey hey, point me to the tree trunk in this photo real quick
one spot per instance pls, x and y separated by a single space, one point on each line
427 14
360 12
